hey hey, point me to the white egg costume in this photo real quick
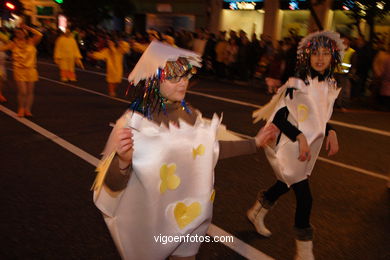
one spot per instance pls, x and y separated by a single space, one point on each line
170 191
310 108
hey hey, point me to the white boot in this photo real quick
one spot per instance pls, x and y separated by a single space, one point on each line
304 250
256 215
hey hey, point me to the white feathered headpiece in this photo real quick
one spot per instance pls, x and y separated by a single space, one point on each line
314 41
312 38
156 56
159 62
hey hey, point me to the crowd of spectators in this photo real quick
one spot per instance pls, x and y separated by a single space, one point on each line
239 57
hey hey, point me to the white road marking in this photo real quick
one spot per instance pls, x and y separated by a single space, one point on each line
237 245
339 164
361 128
347 125
356 169
85 89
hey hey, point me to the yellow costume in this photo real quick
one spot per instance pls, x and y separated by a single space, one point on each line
24 55
66 53
114 61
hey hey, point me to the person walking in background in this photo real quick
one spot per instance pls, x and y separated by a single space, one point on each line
3 72
254 56
220 67
66 55
301 109
113 56
230 55
381 68
24 60
243 57
364 56
275 70
342 75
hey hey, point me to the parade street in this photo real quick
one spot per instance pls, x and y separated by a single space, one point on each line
48 162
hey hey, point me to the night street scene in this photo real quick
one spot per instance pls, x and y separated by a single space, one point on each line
183 130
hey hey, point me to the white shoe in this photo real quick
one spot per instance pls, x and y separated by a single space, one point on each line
256 215
304 250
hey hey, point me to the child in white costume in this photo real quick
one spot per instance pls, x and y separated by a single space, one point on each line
161 184
301 110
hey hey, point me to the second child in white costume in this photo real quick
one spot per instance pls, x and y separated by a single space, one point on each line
157 174
301 110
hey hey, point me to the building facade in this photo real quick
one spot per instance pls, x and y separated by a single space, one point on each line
42 12
275 18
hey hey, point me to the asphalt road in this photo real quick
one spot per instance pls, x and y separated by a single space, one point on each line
48 211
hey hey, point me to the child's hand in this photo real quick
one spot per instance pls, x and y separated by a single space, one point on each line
79 63
304 149
266 135
332 145
125 147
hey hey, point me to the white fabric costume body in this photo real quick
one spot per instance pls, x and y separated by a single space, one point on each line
170 191
310 108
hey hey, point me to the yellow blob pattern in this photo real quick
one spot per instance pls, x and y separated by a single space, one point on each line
168 178
198 151
184 214
303 112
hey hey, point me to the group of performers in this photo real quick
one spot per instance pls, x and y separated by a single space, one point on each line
156 176
66 56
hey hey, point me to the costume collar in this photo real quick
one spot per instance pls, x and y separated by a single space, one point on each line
321 77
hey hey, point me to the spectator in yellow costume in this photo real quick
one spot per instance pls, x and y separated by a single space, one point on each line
24 61
66 55
113 55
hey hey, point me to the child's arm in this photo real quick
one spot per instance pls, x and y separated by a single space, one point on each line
280 120
124 47
332 145
10 45
98 55
120 169
37 34
304 148
125 148
293 133
229 149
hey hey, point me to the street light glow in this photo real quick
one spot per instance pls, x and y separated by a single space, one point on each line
10 6
380 5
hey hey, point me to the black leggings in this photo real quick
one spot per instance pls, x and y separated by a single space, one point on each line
302 196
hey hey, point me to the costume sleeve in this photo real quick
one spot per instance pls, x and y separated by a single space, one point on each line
57 48
124 47
328 128
139 47
116 180
100 55
280 120
76 51
229 149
